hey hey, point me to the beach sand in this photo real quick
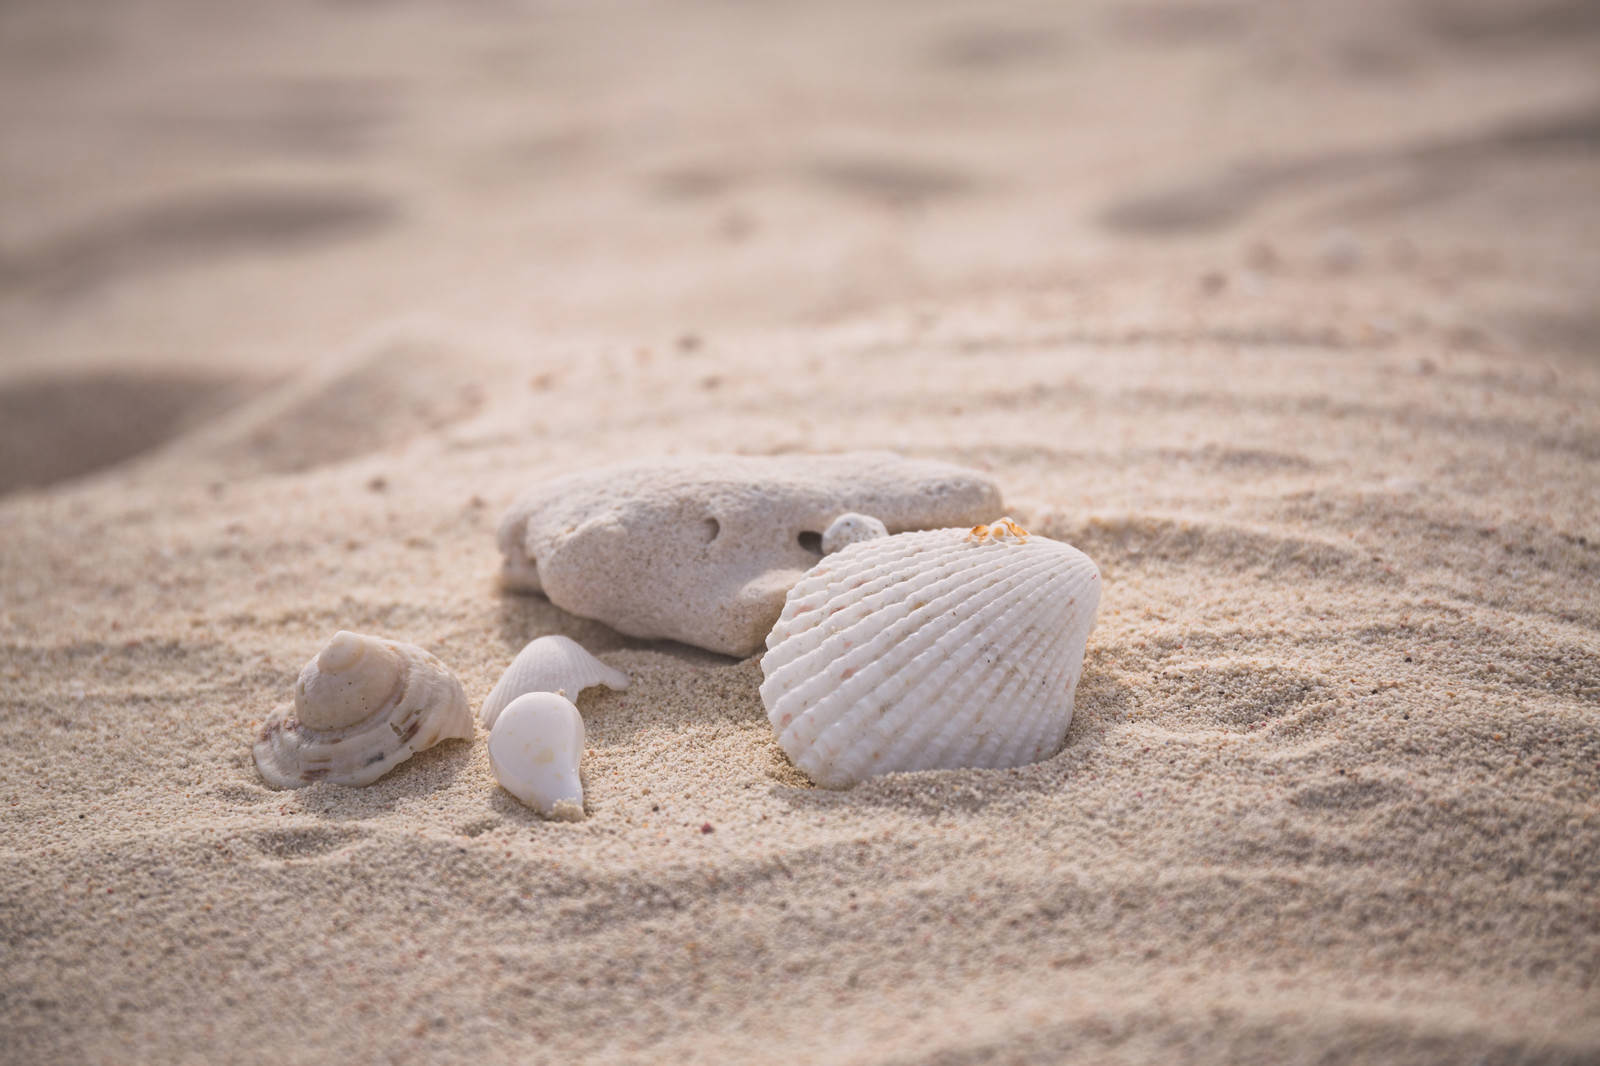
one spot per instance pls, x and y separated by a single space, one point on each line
1285 314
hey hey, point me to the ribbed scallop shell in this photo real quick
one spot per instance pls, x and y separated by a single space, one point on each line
939 649
549 664
424 705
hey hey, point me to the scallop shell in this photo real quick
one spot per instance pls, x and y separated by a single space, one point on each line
362 707
534 751
940 649
549 664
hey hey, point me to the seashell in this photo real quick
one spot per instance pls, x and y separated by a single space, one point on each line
948 648
534 750
549 664
851 528
362 707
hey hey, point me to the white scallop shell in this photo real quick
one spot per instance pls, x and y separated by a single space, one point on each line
534 750
851 528
549 664
362 707
928 650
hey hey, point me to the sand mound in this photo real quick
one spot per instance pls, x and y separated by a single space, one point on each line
383 396
54 429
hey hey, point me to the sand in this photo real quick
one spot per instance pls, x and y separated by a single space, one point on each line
1284 314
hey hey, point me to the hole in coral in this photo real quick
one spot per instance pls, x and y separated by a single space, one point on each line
713 529
811 541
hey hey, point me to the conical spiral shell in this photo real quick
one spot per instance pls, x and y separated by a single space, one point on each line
351 677
362 707
929 650
549 664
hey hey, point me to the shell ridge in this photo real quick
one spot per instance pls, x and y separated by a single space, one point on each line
975 702
969 613
929 650
826 623
866 555
814 600
1061 675
956 604
915 726
873 613
876 597
1027 703
898 630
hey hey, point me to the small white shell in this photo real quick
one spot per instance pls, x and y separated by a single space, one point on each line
534 750
940 649
362 707
851 528
549 664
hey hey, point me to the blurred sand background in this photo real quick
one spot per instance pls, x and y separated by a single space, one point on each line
1285 313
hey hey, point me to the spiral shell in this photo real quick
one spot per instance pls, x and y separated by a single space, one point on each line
362 707
941 649
549 664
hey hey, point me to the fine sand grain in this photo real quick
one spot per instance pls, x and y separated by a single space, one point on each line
1284 314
